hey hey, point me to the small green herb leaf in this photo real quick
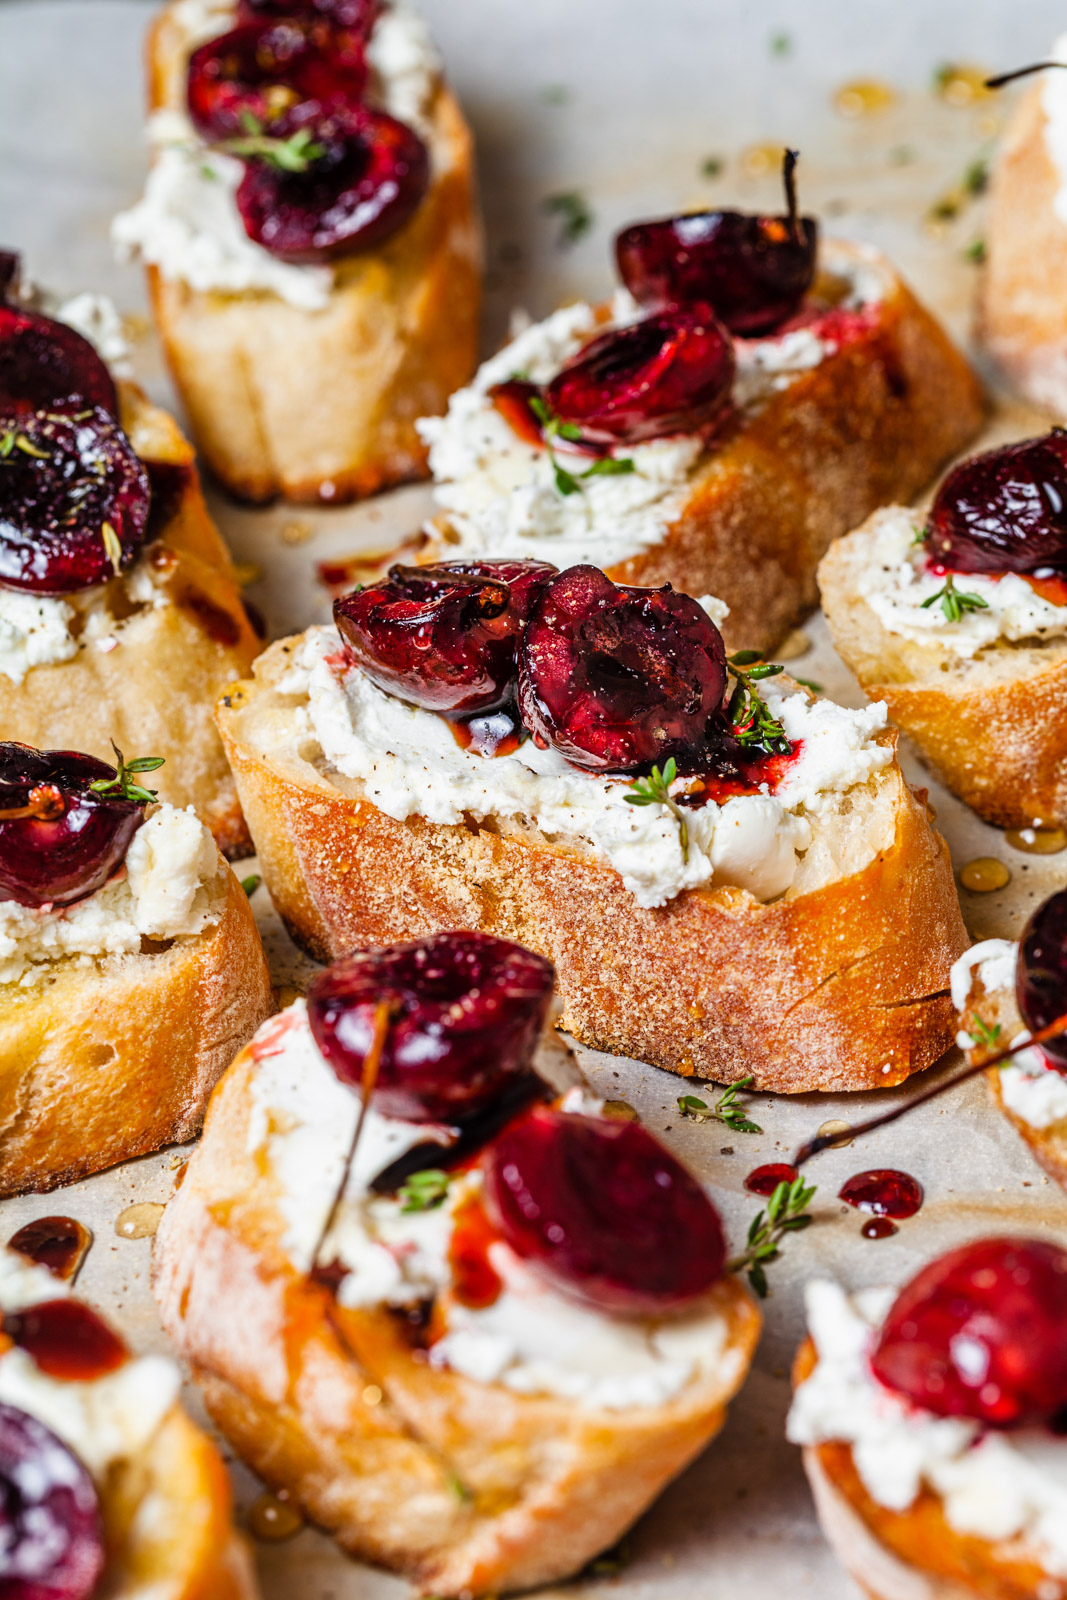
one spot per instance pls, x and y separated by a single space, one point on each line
294 154
610 467
955 602
986 1033
112 547
424 1190
655 790
251 883
574 213
787 1212
752 721
122 784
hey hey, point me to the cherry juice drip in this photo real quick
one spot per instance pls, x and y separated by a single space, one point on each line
475 1283
494 733
764 1180
66 1339
58 1243
883 1192
879 1228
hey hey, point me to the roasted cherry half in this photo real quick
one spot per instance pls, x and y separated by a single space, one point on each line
617 678
365 184
1041 974
51 1532
74 499
603 1211
669 373
466 1012
359 15
278 76
43 362
753 271
980 1333
59 841
1004 511
443 637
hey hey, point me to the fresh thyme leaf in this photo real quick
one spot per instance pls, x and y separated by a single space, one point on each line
566 483
29 449
112 547
752 721
725 1109
553 427
780 44
574 213
690 1105
976 176
251 883
294 154
424 1190
610 467
122 784
986 1033
787 1212
976 251
655 790
955 602
7 444
711 166
809 683
919 535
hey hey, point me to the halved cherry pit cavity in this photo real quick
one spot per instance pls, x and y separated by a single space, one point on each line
1041 974
1004 511
51 1532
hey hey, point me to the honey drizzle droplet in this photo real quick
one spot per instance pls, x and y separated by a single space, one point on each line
139 1221
835 1125
984 874
863 97
272 1519
1037 841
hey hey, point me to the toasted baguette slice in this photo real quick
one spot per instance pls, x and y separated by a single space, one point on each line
1023 304
105 1062
153 693
993 728
321 405
872 423
469 1488
839 984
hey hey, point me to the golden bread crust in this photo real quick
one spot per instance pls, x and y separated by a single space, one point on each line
1048 1146
99 1064
463 1486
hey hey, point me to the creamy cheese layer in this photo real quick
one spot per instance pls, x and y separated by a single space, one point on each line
1029 1087
1010 1485
410 764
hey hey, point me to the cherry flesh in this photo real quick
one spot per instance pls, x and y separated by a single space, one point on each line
1041 974
51 1532
669 373
74 499
443 637
277 76
603 1211
1004 511
466 1014
370 177
59 842
359 15
883 1192
58 1243
616 678
43 362
980 1333
66 1339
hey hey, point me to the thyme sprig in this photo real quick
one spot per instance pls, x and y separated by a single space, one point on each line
752 721
294 154
18 441
122 785
655 790
787 1212
574 212
985 1033
726 1109
112 547
424 1190
955 602
553 427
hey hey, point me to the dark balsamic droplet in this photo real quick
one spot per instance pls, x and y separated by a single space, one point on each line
879 1228
883 1192
764 1180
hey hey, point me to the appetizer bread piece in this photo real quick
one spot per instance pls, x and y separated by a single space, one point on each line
120 615
958 622
923 1417
108 1488
312 241
670 829
130 968
445 1376
662 444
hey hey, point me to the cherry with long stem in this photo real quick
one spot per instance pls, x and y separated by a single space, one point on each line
46 804
789 164
383 1016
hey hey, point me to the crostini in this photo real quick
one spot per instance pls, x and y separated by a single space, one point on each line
131 968
957 620
578 766
492 1324
120 614
311 237
108 1488
748 396
928 1420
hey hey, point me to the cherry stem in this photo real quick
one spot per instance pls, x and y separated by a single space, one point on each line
828 1141
383 1016
46 804
789 163
9 274
1021 72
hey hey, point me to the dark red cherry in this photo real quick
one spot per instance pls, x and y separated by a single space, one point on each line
43 362
74 499
603 1211
278 75
444 637
1041 974
669 373
359 15
51 1532
616 677
467 1011
58 840
67 1340
1004 511
980 1333
358 193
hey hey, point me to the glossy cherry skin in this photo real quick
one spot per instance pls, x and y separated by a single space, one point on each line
443 637
75 840
603 1211
616 678
752 271
51 1532
362 191
286 74
68 473
669 373
467 1013
1041 974
43 362
358 15
980 1333
1004 511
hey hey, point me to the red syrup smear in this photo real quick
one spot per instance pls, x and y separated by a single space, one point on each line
58 1243
879 1228
769 770
764 1180
475 1283
495 733
1054 590
66 1339
883 1192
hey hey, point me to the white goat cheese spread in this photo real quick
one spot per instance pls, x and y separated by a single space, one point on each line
107 1420
532 1339
896 584
410 764
187 223
172 887
1034 1091
1010 1485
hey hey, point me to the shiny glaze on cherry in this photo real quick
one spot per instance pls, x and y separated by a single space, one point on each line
883 1192
359 15
1004 511
58 840
475 1281
764 1180
66 1339
980 1333
467 1011
1041 974
51 1531
280 75
602 1211
58 1243
43 363
616 678
443 637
